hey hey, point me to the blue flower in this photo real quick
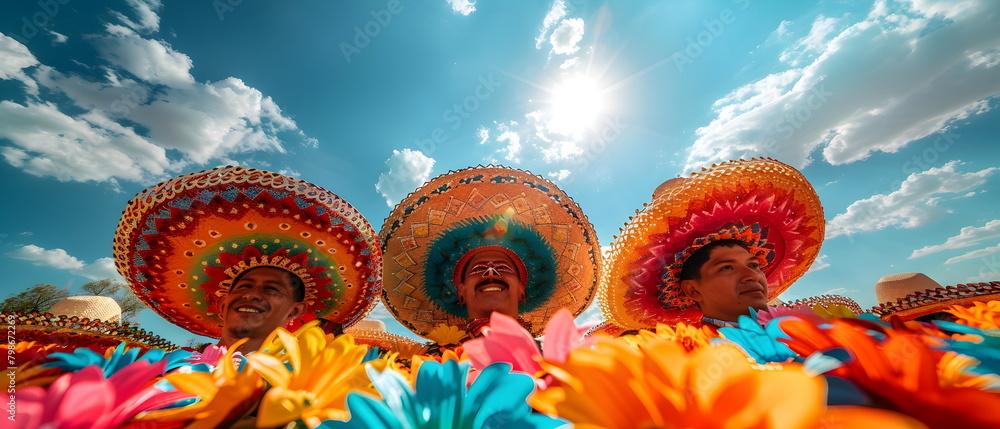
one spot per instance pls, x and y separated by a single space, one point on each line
119 359
497 399
759 342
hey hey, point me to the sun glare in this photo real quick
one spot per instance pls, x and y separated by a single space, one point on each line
577 104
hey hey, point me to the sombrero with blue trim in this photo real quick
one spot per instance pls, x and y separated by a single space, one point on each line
181 243
765 203
427 235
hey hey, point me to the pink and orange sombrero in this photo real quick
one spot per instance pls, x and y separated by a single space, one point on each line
181 243
767 204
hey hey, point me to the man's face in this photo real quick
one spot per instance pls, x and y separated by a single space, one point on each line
731 280
491 283
260 301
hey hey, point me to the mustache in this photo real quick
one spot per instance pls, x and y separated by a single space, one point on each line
485 282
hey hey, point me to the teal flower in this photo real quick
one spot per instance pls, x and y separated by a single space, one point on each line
497 399
120 358
759 342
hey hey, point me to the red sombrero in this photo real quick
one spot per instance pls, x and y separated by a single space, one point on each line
182 242
428 233
763 202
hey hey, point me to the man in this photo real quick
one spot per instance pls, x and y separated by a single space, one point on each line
234 253
491 281
260 300
486 239
710 246
725 280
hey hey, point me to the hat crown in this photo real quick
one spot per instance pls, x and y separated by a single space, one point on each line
892 287
88 306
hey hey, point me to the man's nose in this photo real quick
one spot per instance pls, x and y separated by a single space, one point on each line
253 293
491 273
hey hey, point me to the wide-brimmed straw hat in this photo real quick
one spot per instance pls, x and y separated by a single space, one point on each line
93 322
433 228
762 202
181 243
911 295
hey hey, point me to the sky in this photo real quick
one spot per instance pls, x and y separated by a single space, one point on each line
889 108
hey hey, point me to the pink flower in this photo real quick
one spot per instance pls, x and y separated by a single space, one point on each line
505 340
85 399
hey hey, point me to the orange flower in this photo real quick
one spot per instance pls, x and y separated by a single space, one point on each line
901 372
614 385
982 315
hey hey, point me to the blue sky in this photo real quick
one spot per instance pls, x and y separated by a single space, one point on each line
889 108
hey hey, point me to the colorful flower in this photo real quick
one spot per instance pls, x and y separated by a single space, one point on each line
759 342
115 359
982 315
86 399
440 400
445 334
310 375
899 371
225 394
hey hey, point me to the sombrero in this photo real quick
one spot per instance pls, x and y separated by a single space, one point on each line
181 243
826 301
765 203
93 322
911 295
428 233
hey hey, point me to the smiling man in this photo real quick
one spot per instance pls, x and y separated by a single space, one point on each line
486 240
492 280
260 300
234 253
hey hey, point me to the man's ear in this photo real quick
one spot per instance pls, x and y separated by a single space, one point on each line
297 310
689 287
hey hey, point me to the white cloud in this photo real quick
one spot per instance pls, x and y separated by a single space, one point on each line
966 237
815 43
552 17
408 169
464 7
819 264
153 61
974 254
559 175
567 36
57 37
512 151
146 10
201 122
90 147
484 134
55 258
906 207
102 268
983 277
911 88
14 58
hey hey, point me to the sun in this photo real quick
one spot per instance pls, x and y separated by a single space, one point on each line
577 105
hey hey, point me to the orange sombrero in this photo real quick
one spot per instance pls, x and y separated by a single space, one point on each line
763 202
912 295
181 243
428 233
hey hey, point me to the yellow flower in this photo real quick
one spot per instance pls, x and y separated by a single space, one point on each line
982 315
225 395
613 385
323 371
446 334
690 337
953 372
